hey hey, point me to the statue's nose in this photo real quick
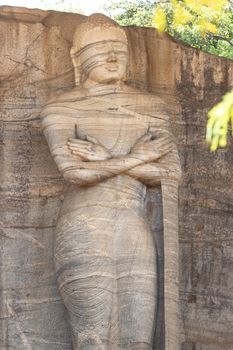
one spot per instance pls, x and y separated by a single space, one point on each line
112 56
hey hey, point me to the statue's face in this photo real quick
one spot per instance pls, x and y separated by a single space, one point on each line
104 57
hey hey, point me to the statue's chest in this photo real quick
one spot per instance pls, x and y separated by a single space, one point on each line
116 131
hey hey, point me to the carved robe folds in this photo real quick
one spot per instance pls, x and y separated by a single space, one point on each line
105 255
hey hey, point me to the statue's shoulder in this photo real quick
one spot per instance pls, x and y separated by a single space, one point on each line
146 96
67 97
149 104
60 103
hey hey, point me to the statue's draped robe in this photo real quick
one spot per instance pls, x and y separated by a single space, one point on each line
104 252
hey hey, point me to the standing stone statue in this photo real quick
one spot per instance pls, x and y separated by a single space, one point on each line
110 142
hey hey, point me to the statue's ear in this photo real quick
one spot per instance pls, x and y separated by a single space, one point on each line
76 64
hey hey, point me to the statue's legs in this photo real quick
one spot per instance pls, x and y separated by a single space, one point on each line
136 284
106 269
86 277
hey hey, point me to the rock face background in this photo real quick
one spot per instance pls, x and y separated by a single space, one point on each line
34 65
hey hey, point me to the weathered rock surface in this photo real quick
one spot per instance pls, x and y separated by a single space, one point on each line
35 65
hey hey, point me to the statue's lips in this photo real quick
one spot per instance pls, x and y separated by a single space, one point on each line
112 68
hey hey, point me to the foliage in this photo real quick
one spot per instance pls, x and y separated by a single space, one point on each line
131 12
219 117
204 24
60 5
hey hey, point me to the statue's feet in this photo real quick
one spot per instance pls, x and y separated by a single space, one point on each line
89 340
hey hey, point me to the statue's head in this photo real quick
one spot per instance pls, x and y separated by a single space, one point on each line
100 51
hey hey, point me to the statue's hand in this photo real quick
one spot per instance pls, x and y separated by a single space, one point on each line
149 147
88 150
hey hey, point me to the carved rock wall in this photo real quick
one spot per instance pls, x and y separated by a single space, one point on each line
34 65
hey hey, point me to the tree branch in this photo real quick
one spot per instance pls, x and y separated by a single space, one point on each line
220 38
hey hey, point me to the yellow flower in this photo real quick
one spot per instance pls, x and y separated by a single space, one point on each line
213 5
205 26
160 19
218 120
211 28
193 5
180 15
